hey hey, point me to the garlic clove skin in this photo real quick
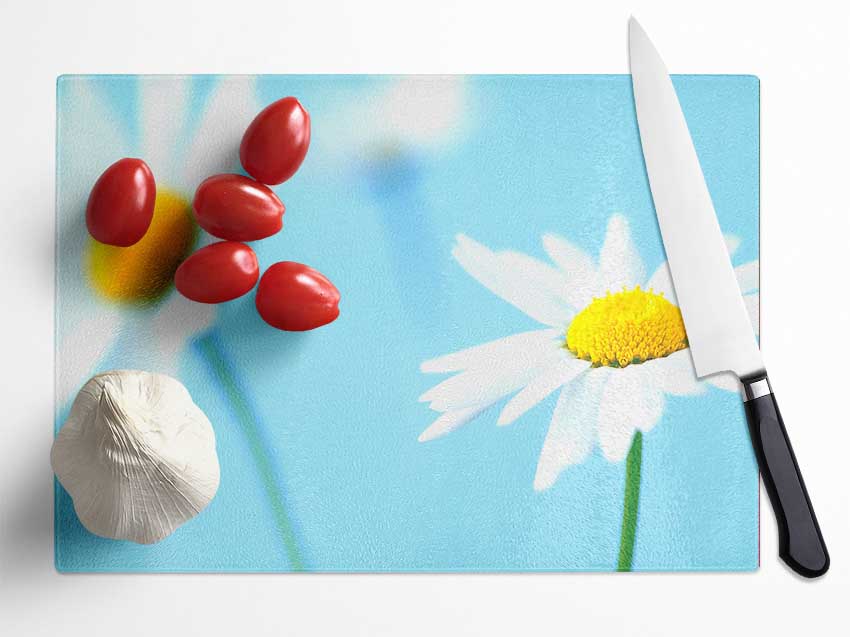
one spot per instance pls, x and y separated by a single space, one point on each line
137 456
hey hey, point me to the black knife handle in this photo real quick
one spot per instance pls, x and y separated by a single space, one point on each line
801 544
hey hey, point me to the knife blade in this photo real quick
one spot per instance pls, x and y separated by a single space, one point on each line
720 336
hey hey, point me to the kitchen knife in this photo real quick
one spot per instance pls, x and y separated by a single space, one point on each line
720 335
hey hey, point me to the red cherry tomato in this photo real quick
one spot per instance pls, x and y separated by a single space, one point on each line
295 297
275 143
219 272
120 206
237 208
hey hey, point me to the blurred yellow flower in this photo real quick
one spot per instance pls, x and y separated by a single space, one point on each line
143 272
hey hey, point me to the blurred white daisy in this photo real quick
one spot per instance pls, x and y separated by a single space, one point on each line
612 342
406 114
123 298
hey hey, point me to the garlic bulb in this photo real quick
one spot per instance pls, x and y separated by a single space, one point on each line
137 456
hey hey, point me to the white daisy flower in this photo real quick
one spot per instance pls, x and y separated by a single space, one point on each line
612 342
123 297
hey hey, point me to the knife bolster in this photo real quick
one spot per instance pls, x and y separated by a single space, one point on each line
755 387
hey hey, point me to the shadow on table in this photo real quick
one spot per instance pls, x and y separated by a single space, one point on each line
27 541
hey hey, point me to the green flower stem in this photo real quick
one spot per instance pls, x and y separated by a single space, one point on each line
631 499
225 376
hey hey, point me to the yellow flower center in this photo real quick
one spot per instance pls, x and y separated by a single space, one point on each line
143 272
632 326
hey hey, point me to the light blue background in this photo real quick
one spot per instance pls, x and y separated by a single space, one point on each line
338 407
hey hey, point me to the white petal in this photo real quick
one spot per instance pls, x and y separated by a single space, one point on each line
91 138
489 353
489 384
524 282
662 283
570 436
450 421
81 348
172 327
405 114
578 268
748 277
215 148
733 242
751 301
630 402
620 263
422 110
674 374
538 389
724 380
163 109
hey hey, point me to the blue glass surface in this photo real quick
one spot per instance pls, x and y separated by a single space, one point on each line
335 411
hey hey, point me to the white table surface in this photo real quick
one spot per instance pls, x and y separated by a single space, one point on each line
801 55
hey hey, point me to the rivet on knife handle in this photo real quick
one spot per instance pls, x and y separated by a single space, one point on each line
801 544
